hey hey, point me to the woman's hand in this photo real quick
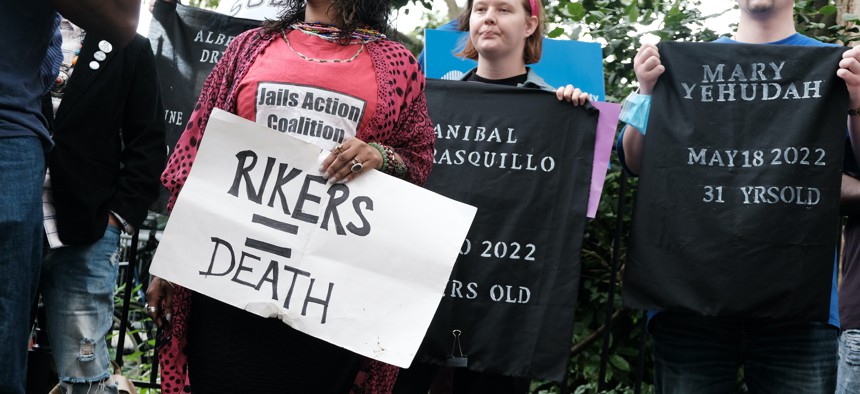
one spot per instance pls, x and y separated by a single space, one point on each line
159 295
349 160
648 68
572 95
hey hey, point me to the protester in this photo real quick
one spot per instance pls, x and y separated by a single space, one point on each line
106 123
26 74
702 354
504 36
314 43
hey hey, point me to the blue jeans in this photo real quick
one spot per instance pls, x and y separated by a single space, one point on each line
698 354
22 171
848 378
77 286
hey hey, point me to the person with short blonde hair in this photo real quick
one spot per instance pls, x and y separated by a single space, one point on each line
534 42
504 37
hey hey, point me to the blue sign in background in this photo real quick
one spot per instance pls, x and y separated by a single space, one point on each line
562 61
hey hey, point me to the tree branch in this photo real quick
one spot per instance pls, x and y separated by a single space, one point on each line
594 336
454 10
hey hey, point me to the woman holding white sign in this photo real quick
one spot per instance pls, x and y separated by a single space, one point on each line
289 75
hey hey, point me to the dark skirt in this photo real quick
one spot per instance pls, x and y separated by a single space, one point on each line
233 351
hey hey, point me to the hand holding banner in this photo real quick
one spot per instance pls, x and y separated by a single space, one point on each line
738 204
525 159
361 265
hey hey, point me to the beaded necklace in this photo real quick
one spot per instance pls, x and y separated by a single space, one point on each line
313 59
331 33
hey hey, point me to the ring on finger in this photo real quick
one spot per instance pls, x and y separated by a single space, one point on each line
356 166
150 308
339 148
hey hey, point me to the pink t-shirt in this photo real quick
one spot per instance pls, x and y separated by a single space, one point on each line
322 103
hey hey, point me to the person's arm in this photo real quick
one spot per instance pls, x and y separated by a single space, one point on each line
411 138
115 20
849 71
415 148
408 155
216 89
648 69
143 134
633 142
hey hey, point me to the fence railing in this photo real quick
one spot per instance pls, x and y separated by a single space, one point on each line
134 273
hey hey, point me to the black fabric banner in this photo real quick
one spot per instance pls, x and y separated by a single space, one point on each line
737 211
187 42
524 159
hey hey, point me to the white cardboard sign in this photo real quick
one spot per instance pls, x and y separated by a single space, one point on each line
362 265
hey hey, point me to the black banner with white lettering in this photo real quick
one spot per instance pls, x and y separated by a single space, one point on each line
524 159
187 42
738 204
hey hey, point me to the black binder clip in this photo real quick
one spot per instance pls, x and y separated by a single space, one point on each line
458 360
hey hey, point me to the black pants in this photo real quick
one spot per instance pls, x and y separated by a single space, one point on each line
233 351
